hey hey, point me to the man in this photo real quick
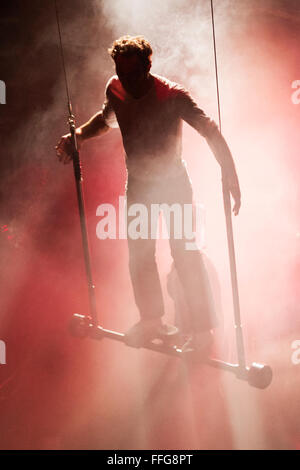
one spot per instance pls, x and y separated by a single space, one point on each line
149 110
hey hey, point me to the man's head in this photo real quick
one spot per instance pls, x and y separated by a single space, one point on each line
132 56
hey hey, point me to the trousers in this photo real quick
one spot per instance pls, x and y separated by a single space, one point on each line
189 265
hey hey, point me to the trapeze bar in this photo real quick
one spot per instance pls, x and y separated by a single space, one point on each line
257 375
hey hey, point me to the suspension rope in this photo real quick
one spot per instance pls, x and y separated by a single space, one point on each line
62 56
216 63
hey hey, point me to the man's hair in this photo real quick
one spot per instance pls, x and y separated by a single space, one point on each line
130 45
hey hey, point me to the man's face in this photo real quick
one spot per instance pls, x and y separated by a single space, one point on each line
131 72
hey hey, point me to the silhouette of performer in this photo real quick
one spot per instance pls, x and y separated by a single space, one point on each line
149 109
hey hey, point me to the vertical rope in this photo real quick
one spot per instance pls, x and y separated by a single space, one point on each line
62 56
216 63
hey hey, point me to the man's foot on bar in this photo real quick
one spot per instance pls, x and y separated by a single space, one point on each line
199 343
148 329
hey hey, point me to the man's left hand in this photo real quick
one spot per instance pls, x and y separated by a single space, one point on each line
236 194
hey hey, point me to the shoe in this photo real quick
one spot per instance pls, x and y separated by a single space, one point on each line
199 343
147 330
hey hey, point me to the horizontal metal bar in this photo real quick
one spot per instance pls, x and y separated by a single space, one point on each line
99 333
159 346
155 345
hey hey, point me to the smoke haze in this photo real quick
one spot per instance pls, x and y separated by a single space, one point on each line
43 278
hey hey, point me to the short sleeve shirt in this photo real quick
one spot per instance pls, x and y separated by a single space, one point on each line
151 126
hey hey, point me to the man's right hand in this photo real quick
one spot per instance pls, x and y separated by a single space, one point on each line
64 148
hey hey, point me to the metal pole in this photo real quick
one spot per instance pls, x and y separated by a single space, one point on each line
233 273
229 230
78 181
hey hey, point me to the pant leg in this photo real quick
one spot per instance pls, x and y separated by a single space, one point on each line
142 263
190 265
194 280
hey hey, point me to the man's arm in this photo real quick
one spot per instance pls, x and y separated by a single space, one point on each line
223 156
96 126
194 116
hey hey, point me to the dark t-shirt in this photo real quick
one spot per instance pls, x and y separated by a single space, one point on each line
151 126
